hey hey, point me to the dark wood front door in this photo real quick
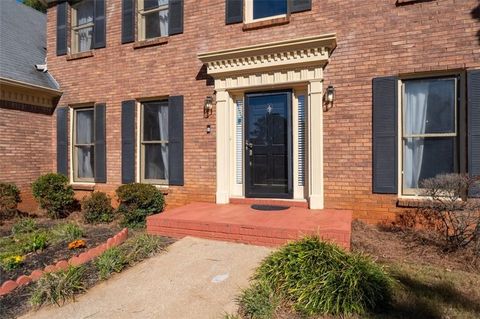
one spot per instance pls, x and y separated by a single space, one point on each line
268 145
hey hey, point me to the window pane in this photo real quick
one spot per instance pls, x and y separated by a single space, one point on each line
156 159
155 121
268 8
151 4
430 106
156 24
85 161
84 39
426 158
84 11
84 127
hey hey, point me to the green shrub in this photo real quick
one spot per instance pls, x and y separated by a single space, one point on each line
258 302
34 242
112 260
9 199
53 194
24 226
320 278
142 246
97 208
67 232
60 286
137 201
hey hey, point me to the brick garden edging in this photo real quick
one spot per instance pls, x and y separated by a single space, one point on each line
83 258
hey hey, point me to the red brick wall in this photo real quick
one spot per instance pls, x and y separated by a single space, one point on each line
26 150
375 38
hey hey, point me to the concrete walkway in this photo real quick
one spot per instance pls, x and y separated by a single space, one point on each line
195 279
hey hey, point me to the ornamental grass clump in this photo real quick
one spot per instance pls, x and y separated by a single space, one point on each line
111 261
58 287
320 278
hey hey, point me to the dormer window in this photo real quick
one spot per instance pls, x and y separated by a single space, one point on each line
82 26
152 19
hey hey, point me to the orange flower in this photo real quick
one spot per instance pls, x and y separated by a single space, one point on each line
77 244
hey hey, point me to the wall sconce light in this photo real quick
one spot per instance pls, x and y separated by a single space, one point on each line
329 97
208 106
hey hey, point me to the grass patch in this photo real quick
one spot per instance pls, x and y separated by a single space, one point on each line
58 287
431 292
24 226
111 261
67 232
141 247
258 301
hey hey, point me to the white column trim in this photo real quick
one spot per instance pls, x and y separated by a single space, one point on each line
223 149
315 145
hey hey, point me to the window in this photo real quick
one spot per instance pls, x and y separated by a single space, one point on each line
154 142
268 8
430 130
83 145
82 26
152 18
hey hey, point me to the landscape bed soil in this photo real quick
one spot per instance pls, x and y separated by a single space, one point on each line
395 245
94 235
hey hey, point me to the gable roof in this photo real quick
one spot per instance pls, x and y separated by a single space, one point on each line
23 44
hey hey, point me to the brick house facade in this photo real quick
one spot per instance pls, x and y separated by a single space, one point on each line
373 39
28 97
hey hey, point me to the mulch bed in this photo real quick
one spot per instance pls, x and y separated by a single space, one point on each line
94 235
391 244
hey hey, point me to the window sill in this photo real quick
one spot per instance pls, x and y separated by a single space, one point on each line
80 55
254 25
150 42
83 187
165 189
412 202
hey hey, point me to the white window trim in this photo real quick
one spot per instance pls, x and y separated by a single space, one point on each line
75 28
141 19
248 6
416 193
71 152
139 167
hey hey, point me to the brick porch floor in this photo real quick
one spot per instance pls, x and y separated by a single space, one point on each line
240 223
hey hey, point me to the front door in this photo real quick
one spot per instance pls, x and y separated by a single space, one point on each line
268 145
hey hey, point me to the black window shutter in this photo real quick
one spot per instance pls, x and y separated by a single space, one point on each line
128 21
99 24
175 140
62 141
473 113
175 17
128 142
62 28
100 151
300 5
233 11
385 133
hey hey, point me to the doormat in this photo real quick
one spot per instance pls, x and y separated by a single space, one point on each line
269 207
